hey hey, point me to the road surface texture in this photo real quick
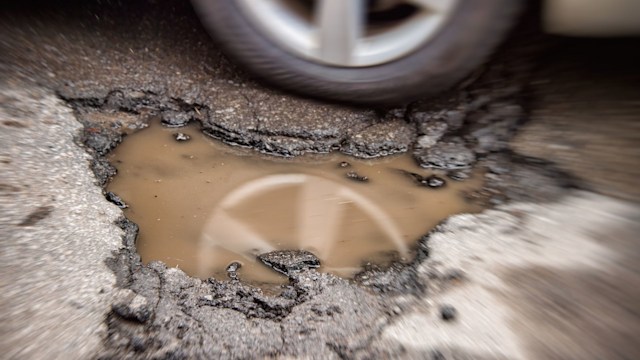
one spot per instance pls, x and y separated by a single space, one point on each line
549 271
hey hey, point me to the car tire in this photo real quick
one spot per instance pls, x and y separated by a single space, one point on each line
466 40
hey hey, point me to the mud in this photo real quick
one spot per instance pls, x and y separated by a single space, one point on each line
346 218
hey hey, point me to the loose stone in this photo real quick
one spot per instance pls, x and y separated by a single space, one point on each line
448 312
435 181
181 137
356 177
289 261
116 200
232 270
431 181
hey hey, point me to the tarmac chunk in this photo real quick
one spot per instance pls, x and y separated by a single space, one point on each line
290 261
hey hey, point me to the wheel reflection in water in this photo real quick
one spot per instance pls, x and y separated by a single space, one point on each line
201 205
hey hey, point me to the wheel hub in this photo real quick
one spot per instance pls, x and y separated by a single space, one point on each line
349 33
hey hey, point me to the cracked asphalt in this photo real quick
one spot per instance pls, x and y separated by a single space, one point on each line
551 271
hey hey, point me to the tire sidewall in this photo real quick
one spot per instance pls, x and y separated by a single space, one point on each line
462 44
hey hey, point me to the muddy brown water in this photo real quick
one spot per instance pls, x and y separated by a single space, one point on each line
202 205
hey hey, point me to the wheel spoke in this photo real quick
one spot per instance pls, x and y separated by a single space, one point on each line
432 5
379 216
319 214
236 235
340 24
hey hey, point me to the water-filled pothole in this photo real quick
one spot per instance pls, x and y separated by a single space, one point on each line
202 205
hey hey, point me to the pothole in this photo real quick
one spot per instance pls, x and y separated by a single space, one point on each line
203 206
158 305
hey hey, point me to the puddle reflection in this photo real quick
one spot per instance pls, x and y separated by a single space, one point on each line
202 205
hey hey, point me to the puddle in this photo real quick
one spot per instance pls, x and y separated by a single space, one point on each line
202 205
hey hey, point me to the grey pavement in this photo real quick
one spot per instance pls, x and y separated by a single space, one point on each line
56 229
550 281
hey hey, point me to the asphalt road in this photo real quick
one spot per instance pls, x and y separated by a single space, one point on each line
549 275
